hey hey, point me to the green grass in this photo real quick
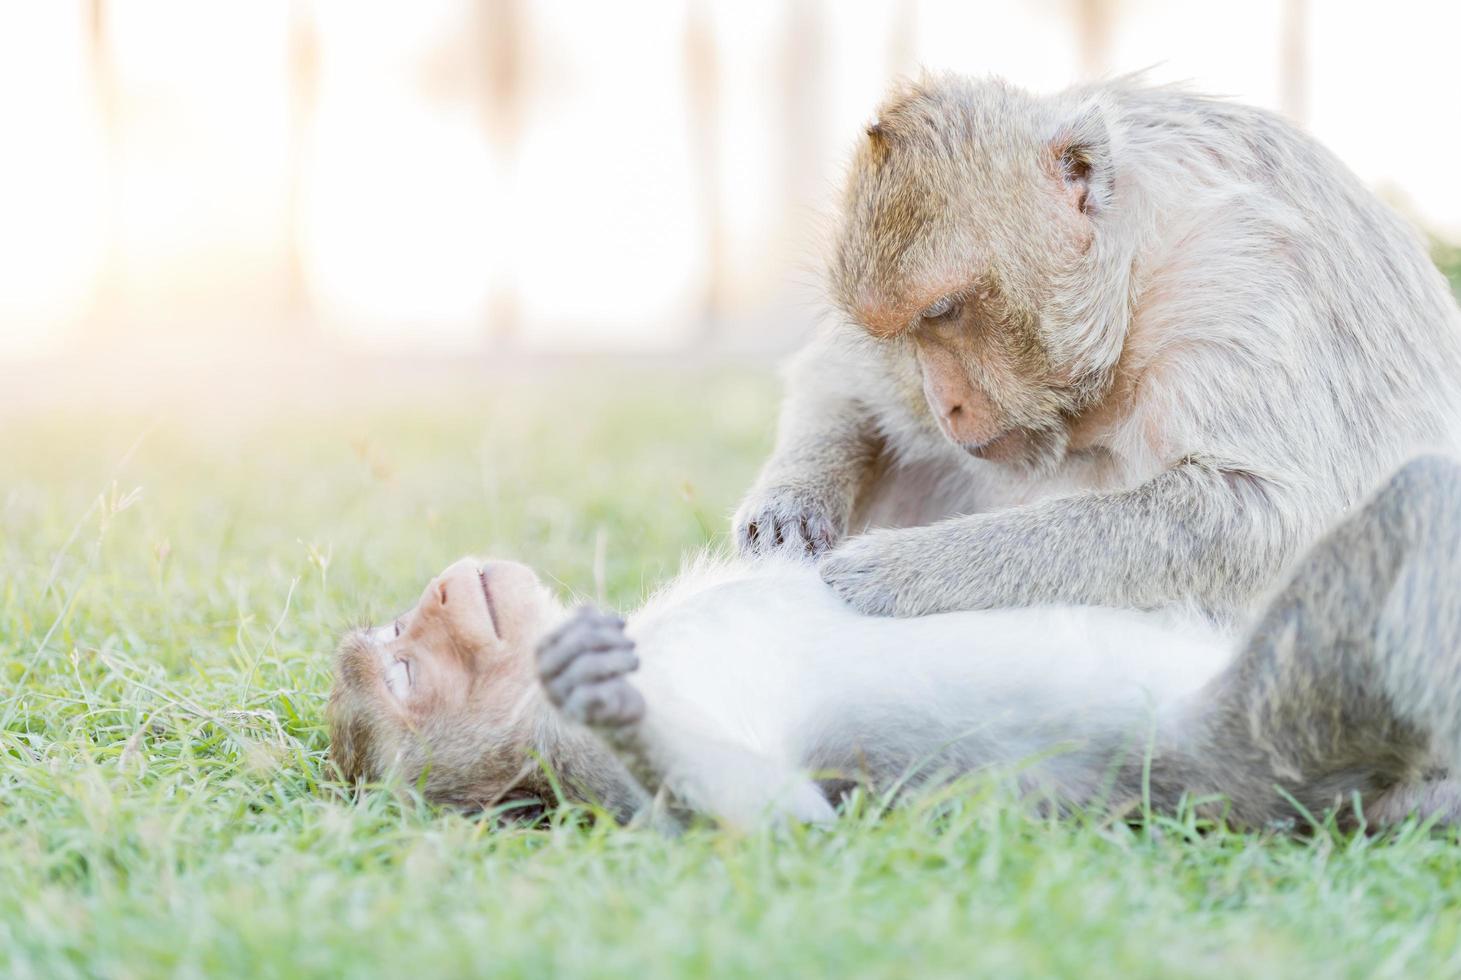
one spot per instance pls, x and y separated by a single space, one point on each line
167 607
1448 260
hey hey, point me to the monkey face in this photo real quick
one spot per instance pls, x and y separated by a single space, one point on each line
967 241
446 692
471 620
987 381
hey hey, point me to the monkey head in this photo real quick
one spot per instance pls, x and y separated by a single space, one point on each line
973 246
446 697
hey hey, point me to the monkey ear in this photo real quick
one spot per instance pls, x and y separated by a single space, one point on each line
1081 153
877 141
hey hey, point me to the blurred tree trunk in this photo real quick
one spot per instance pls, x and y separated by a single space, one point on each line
108 289
304 65
1293 97
501 39
1094 20
803 121
902 38
703 81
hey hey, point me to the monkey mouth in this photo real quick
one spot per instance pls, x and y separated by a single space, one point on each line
995 448
487 596
1030 450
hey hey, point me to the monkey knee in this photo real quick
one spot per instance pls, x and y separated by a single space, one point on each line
804 803
1429 481
1434 799
1419 506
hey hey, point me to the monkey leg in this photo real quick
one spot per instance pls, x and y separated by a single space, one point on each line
1437 797
1351 679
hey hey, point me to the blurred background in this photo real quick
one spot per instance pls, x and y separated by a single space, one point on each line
289 180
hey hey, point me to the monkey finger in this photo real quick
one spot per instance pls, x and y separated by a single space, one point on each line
612 702
821 534
789 537
558 651
800 538
584 626
762 537
568 636
588 613
626 704
774 536
590 669
748 535
585 617
862 578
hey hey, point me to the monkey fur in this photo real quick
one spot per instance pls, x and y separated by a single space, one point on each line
1122 345
750 692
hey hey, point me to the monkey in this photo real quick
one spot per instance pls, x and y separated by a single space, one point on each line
1122 345
748 692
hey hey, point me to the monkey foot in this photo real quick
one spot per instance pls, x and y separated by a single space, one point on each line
582 665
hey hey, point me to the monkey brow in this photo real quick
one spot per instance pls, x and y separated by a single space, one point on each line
884 325
355 662
895 319
887 318
357 641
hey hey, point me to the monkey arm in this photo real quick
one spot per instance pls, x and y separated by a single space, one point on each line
1195 531
826 445
711 774
585 667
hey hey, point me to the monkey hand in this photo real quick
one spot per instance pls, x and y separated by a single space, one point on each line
796 520
582 665
895 572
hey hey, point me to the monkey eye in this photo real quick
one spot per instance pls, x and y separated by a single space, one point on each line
397 625
941 310
398 677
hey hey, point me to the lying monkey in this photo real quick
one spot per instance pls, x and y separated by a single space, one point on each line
733 689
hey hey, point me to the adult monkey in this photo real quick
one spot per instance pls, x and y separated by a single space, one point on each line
1146 344
756 679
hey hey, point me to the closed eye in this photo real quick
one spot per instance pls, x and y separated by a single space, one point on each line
945 309
398 677
397 625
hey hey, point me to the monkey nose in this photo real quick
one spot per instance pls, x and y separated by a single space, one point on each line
452 586
965 428
956 422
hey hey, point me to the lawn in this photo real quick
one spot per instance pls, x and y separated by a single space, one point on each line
171 584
